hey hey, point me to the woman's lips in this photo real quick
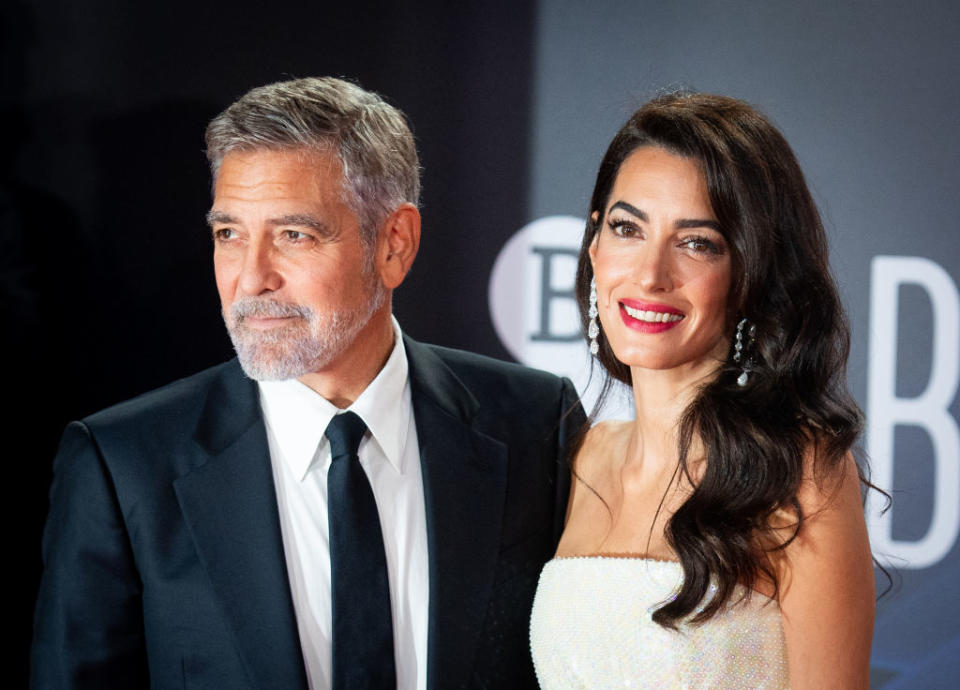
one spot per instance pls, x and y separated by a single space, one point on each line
648 317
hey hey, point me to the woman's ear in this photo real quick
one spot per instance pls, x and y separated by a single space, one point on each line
592 251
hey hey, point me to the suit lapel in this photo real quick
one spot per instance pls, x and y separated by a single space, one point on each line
464 482
230 507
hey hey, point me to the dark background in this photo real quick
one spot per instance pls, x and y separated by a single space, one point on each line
106 280
105 261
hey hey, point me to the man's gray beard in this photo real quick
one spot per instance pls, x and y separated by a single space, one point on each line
307 345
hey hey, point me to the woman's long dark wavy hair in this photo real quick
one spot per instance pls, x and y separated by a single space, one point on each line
755 436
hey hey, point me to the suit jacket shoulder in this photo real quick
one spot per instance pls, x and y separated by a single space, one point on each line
163 558
169 430
500 394
170 407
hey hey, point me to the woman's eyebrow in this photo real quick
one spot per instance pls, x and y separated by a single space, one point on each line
631 209
681 224
696 223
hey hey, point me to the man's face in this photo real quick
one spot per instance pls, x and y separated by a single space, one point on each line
295 284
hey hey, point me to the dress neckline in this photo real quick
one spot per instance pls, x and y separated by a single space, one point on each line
627 558
615 557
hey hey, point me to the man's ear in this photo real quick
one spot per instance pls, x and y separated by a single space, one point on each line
397 244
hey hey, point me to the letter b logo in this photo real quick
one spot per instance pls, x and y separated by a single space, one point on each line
533 308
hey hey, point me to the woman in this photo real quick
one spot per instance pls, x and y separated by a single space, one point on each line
718 539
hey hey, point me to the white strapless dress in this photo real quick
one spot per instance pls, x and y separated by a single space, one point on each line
591 627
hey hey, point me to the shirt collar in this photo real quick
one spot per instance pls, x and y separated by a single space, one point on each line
297 415
385 405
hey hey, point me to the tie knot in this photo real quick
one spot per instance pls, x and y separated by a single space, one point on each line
345 432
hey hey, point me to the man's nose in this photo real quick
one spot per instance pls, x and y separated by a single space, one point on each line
258 273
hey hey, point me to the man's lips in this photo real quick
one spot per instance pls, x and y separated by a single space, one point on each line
265 314
266 322
649 317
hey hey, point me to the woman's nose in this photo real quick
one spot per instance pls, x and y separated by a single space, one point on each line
655 269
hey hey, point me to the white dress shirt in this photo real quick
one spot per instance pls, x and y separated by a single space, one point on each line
296 418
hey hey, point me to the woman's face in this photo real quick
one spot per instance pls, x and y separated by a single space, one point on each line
662 266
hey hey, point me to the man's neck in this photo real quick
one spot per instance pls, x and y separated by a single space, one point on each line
344 379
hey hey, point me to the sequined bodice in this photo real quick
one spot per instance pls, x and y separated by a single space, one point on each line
591 628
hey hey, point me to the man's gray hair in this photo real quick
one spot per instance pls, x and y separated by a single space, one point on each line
371 138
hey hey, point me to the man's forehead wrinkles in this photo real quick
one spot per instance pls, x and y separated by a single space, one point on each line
296 193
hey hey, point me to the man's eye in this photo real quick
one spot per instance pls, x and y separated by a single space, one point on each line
224 234
295 235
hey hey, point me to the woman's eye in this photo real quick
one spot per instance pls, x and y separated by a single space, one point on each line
701 245
623 228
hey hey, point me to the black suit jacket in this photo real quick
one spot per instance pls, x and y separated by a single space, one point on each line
163 555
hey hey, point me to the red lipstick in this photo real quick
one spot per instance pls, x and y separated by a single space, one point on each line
637 324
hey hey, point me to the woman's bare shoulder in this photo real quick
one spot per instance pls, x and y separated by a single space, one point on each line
824 486
825 576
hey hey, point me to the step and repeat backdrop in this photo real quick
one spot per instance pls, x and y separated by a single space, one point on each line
867 95
105 260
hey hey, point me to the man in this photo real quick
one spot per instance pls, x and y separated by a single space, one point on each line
206 534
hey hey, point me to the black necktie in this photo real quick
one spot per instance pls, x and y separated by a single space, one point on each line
362 622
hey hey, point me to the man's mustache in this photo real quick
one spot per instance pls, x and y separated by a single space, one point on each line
265 306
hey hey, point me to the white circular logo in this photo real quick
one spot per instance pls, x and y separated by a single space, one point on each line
534 309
